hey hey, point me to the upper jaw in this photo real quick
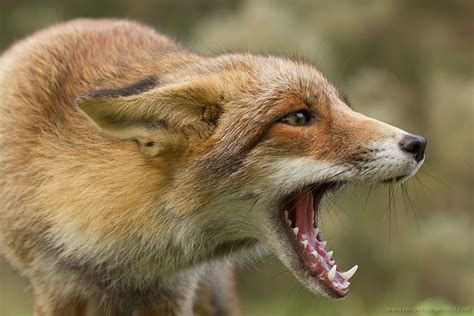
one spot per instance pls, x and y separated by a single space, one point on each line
405 176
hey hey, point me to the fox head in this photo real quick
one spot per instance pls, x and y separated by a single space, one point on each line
244 149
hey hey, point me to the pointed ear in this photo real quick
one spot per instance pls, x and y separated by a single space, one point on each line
154 114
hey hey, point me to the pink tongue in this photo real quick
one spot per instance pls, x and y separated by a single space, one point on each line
304 212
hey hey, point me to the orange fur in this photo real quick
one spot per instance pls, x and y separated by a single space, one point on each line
123 199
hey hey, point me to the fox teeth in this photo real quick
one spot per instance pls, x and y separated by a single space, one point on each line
323 243
315 254
332 273
295 231
316 231
349 273
286 215
330 254
305 243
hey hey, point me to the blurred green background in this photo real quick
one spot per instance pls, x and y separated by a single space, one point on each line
409 63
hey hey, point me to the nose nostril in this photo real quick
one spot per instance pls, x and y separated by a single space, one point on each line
416 148
414 145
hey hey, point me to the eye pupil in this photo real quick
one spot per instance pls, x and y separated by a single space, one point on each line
298 118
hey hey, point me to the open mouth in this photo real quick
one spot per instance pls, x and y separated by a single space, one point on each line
300 220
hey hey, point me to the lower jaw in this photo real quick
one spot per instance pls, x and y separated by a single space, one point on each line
311 262
313 274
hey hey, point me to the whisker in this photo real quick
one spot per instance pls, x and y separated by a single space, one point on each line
329 214
394 201
293 288
335 213
423 186
437 179
261 260
389 218
276 275
367 197
342 209
410 203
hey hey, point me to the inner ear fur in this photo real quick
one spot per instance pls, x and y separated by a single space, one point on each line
150 114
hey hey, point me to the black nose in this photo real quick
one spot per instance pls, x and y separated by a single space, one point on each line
414 145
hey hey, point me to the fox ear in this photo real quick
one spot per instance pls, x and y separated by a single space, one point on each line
157 117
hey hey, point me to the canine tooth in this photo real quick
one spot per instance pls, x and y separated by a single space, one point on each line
349 273
286 215
315 254
330 254
295 231
332 273
323 243
316 231
305 243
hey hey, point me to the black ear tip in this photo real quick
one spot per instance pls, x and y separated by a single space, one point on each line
141 86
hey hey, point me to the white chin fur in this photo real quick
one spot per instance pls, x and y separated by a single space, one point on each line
287 174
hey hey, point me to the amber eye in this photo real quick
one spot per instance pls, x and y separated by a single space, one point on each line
298 118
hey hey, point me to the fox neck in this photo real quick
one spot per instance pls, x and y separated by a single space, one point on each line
212 233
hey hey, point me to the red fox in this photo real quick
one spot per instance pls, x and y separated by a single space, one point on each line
132 170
